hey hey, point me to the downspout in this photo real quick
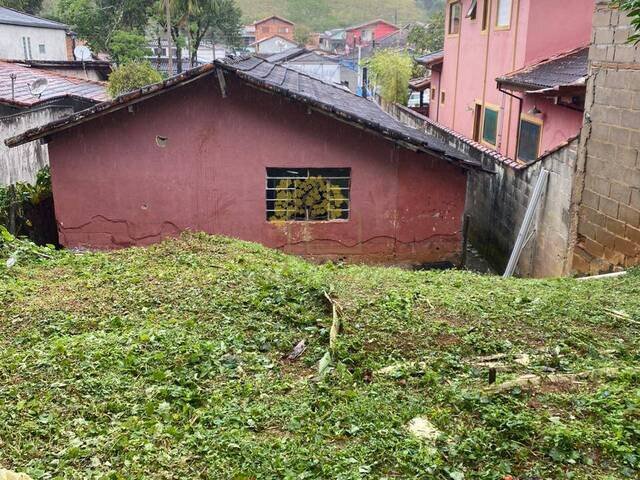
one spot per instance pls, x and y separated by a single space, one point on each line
455 85
520 100
513 67
438 98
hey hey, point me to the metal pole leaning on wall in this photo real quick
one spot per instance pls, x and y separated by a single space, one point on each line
523 238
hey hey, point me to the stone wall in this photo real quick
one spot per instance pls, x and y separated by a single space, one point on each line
21 164
607 191
497 201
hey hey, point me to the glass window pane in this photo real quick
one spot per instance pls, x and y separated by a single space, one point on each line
529 142
490 126
455 11
504 13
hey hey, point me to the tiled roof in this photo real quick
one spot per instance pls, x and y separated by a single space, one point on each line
431 58
324 97
338 102
58 86
288 54
564 70
9 16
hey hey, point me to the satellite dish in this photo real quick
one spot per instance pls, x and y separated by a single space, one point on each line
38 87
82 53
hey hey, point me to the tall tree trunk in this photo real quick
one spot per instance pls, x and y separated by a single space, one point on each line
167 6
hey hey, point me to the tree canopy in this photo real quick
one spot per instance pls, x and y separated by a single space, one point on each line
632 9
29 6
131 76
390 72
429 38
96 21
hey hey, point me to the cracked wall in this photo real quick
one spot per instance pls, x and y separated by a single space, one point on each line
115 187
607 228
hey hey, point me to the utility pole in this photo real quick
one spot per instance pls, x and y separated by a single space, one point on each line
167 6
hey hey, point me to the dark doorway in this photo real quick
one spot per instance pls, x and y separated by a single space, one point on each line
477 121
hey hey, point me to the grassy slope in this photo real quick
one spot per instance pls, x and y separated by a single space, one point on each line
167 363
338 13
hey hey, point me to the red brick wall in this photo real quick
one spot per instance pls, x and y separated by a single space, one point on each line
114 187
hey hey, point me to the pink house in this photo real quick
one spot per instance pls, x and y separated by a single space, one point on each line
512 74
367 33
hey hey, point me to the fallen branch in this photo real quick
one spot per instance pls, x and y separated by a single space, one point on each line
531 380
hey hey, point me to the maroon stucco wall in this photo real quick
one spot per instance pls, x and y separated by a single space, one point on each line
114 187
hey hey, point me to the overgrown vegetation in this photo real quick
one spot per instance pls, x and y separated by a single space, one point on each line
171 362
29 6
430 38
16 200
131 76
632 9
390 74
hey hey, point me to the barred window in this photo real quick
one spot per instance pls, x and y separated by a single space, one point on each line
308 194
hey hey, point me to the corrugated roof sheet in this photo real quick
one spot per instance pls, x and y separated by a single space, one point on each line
8 16
567 69
58 85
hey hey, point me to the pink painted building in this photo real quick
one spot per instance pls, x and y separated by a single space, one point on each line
512 74
367 33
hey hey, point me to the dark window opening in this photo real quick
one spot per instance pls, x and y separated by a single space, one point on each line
473 10
308 194
455 12
490 126
477 122
486 11
529 141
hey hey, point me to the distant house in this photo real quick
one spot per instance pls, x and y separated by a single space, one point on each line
248 35
24 106
273 44
333 41
27 37
274 25
254 150
369 32
319 66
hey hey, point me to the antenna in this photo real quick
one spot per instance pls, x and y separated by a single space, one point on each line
38 87
82 53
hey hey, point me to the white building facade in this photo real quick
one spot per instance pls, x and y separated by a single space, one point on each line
26 37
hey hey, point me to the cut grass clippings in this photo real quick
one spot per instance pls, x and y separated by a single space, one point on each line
172 362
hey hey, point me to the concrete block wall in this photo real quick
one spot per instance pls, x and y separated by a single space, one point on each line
22 164
497 202
607 191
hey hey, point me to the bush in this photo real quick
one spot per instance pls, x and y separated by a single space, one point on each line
132 76
21 196
391 72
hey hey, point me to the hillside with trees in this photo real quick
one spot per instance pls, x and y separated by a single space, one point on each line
320 15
